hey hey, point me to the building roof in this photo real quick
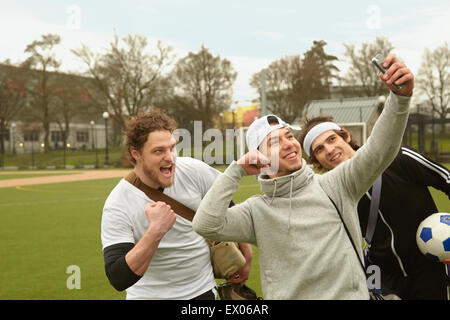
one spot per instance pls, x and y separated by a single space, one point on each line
348 110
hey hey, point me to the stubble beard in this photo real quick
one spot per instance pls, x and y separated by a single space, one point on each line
154 175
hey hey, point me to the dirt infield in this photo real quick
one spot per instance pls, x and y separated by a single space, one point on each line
74 176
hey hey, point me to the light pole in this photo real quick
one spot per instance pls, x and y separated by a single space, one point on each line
94 142
32 153
64 137
64 154
13 126
262 81
92 123
105 116
233 114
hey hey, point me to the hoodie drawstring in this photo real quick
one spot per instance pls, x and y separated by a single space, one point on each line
290 199
290 203
274 190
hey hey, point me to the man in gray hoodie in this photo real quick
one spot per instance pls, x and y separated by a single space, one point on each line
304 250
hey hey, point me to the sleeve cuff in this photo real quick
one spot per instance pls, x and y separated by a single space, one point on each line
235 171
400 104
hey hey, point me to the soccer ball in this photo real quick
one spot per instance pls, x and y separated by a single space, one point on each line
433 236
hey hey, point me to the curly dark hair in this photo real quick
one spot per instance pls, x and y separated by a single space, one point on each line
139 127
308 124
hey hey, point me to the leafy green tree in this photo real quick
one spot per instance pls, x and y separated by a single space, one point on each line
292 81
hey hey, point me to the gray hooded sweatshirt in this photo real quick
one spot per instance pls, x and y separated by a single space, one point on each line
304 251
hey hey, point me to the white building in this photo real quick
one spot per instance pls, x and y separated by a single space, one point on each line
82 136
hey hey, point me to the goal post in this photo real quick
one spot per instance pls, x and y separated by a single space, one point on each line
358 131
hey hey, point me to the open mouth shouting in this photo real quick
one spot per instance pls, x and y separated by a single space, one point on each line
167 171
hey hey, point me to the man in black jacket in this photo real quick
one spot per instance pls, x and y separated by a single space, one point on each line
405 201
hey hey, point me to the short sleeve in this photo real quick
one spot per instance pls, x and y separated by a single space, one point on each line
115 227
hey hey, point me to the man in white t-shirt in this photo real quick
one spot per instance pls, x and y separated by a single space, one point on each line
148 249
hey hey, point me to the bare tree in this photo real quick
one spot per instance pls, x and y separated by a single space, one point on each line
126 76
433 80
42 59
203 85
362 78
72 100
281 79
13 97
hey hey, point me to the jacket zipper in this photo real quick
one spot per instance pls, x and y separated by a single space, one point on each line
392 241
393 247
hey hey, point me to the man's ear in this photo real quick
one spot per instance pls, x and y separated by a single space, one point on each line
135 154
348 135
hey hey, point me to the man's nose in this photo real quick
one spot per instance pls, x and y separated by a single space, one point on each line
328 148
169 156
286 143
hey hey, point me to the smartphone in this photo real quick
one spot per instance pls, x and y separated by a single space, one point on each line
378 61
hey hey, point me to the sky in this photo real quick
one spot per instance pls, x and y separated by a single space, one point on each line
249 33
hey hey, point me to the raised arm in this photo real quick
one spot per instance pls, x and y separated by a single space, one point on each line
161 219
360 172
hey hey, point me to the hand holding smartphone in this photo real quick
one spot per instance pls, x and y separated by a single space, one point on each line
378 61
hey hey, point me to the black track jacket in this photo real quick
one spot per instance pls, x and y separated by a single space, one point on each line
405 202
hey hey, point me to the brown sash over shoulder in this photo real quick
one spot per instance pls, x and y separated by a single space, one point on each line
226 258
157 195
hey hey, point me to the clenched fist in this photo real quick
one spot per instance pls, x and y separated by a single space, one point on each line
160 216
253 162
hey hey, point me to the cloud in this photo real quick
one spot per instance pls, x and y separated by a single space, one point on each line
410 32
269 32
431 32
25 28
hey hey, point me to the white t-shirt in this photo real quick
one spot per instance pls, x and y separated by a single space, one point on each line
181 266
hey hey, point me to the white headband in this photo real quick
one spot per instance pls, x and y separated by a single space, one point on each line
317 131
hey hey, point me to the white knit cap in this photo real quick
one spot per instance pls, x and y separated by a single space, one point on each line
317 131
260 128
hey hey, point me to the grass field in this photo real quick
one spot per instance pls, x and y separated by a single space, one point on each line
47 228
44 229
443 141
